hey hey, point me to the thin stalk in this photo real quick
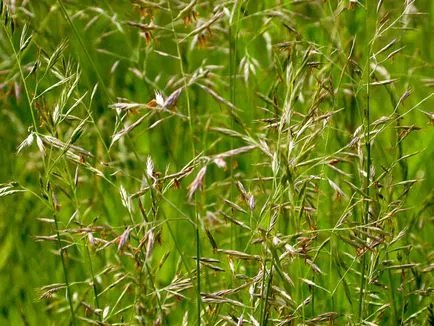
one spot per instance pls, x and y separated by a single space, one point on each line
233 36
17 58
367 122
97 129
190 124
95 291
392 294
366 212
65 274
76 203
264 312
261 308
160 307
83 46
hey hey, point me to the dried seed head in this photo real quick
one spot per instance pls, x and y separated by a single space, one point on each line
252 202
190 17
275 163
40 144
126 199
55 201
430 116
231 265
91 239
147 35
127 129
70 149
150 244
123 240
159 99
144 12
197 183
202 40
185 319
56 114
150 167
48 294
176 183
240 320
221 163
26 142
248 197
337 189
170 102
254 321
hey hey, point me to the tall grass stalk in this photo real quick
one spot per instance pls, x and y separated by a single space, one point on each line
193 150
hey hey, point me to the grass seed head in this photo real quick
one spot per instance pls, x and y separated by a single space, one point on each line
123 239
197 183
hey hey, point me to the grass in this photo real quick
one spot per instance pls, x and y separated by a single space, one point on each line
216 163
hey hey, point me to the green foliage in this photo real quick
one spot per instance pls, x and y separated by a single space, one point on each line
207 162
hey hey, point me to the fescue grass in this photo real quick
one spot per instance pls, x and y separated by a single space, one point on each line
216 162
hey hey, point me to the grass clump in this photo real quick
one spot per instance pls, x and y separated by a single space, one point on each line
204 162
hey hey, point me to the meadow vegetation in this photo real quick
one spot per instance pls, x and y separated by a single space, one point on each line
235 162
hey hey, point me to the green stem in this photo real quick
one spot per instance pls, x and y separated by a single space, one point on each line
197 231
65 274
17 58
367 122
83 46
95 291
